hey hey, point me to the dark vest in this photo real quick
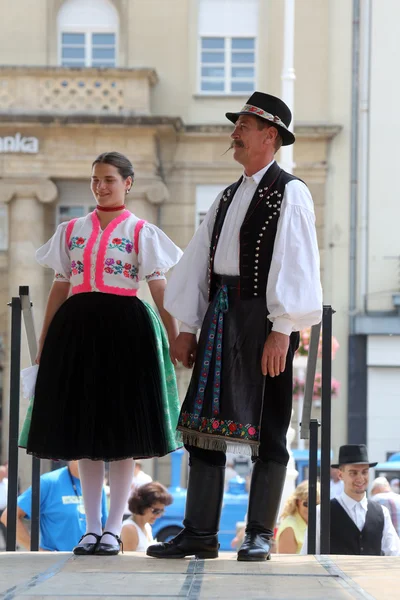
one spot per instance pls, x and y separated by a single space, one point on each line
257 233
346 538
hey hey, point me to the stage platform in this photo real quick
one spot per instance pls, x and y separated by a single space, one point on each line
48 576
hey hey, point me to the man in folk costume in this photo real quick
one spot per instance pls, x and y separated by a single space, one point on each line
250 280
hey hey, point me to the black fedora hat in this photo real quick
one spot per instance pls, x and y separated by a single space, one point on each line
271 109
353 454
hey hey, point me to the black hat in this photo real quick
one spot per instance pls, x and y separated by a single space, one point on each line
353 454
271 109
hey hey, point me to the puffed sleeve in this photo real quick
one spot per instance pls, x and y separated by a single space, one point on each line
294 295
55 254
157 253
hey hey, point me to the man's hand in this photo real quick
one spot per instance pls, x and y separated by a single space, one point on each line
274 354
184 349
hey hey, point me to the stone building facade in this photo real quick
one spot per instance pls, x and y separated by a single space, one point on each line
153 80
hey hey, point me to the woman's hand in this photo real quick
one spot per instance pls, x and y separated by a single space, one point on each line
172 350
39 352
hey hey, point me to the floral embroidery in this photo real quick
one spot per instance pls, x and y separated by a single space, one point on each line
155 274
60 276
76 267
117 267
219 426
121 244
77 242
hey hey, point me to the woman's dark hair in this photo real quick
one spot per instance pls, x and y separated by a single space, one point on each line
147 495
117 160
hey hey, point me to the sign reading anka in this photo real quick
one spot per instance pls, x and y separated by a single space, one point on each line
19 144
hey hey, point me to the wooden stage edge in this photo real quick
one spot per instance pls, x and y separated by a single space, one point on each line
51 575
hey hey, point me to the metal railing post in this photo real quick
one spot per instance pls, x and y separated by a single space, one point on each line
326 427
15 369
27 314
312 487
310 378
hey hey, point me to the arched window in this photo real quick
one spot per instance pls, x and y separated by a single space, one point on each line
88 33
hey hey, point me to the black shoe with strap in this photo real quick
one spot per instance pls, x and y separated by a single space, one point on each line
202 514
88 548
267 481
103 549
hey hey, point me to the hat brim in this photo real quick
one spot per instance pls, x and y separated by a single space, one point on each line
370 465
287 136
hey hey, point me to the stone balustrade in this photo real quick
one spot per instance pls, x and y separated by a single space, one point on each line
56 90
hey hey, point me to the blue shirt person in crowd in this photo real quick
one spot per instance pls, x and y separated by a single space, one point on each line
62 515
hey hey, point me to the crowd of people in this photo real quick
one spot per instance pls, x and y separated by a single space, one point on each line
237 298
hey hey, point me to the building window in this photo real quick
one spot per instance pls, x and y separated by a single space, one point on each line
66 212
88 49
227 46
227 65
205 196
88 33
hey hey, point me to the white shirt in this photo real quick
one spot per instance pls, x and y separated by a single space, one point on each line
357 512
3 493
294 296
145 539
113 260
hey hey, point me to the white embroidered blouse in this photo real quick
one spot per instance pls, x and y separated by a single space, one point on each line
113 260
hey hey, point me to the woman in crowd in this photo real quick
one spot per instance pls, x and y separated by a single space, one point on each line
146 504
106 388
294 519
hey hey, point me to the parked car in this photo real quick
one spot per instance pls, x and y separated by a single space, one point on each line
233 510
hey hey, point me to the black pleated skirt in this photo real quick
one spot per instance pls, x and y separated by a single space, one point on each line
98 393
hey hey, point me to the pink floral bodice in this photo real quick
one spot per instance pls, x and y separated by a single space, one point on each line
113 260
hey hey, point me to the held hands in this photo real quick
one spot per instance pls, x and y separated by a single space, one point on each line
184 349
274 354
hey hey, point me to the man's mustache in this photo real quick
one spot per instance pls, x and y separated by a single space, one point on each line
234 144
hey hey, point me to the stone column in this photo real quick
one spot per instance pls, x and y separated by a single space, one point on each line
26 199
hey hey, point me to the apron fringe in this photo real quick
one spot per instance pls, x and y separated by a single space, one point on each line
213 442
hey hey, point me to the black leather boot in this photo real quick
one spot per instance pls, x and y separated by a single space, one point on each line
267 481
202 514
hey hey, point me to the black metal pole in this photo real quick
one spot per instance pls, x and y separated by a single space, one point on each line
26 306
312 487
35 504
326 428
15 368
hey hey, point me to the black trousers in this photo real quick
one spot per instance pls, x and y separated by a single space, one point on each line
275 418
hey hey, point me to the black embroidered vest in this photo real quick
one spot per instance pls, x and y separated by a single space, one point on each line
257 233
346 538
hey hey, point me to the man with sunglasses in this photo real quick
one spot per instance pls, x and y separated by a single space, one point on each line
358 526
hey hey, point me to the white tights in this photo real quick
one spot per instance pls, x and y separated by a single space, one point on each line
91 474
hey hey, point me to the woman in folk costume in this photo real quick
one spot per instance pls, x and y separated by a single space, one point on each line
250 280
106 388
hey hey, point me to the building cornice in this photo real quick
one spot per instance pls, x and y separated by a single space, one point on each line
118 72
322 131
42 118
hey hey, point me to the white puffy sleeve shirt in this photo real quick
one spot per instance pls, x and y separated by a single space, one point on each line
112 260
55 254
294 295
